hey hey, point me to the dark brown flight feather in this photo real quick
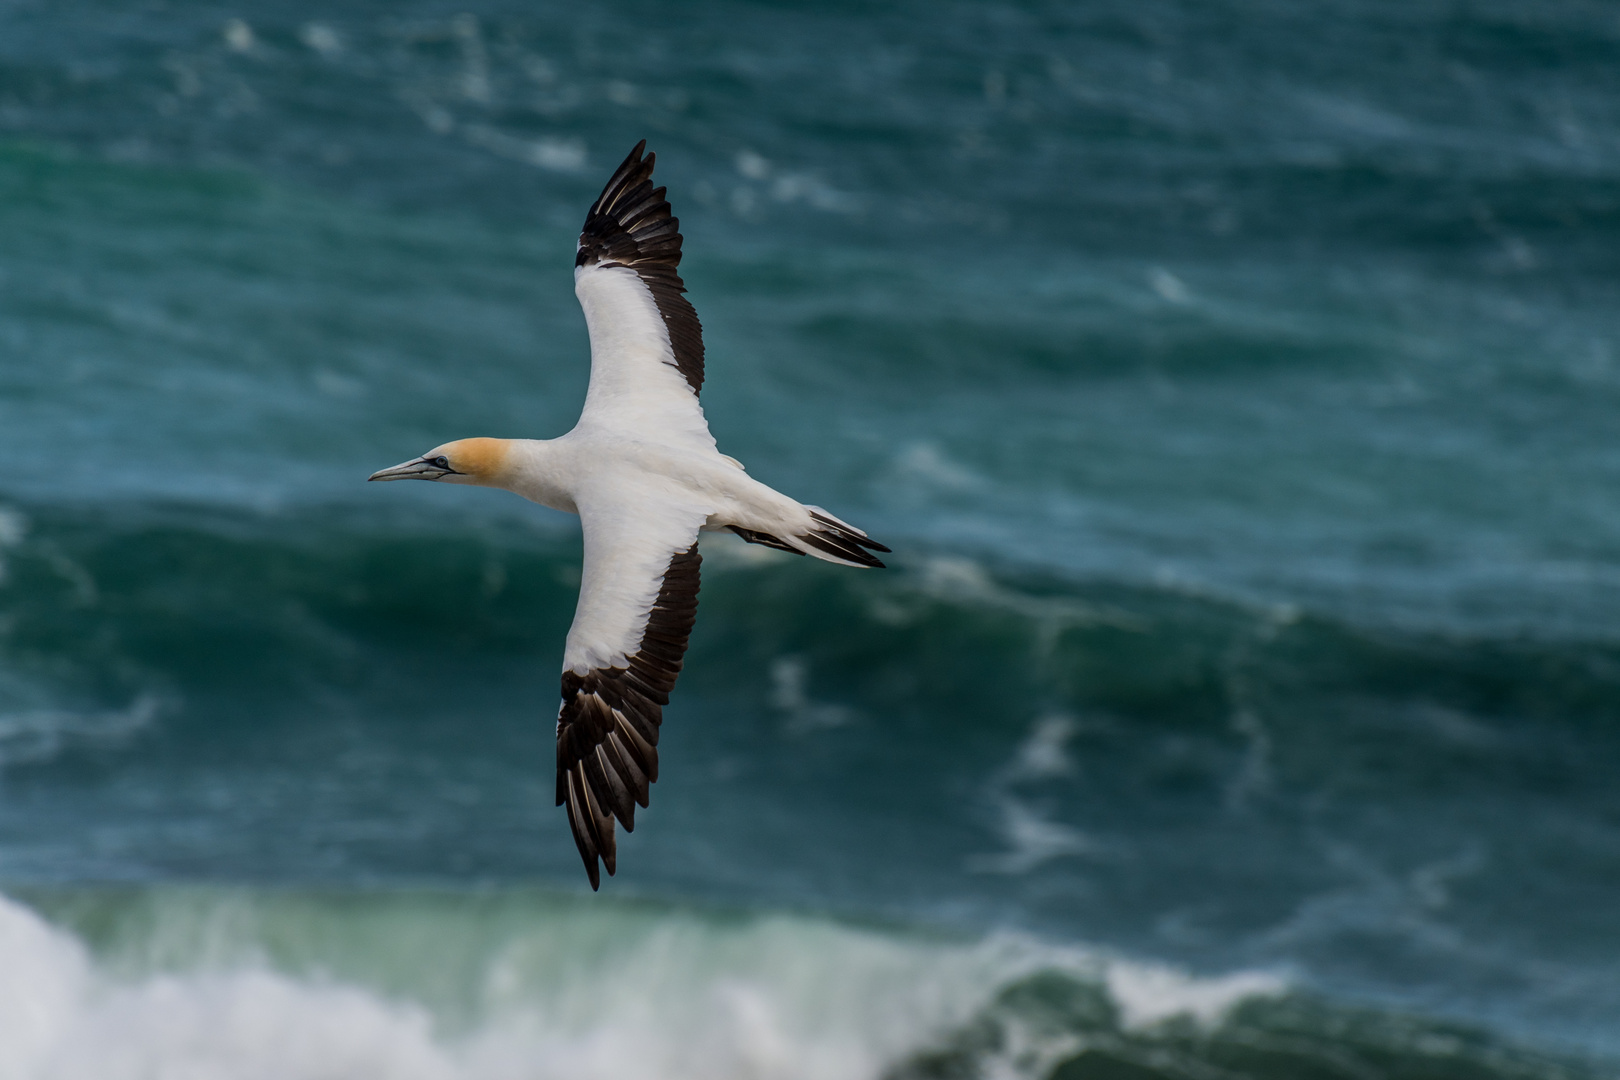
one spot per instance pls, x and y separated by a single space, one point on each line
768 539
607 730
630 225
843 541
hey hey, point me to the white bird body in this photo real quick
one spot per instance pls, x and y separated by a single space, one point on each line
552 472
642 471
620 487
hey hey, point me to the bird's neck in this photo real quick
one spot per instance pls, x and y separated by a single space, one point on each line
536 470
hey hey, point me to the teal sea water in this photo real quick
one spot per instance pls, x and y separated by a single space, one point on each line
1236 382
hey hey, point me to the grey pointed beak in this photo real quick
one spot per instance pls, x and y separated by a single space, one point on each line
414 469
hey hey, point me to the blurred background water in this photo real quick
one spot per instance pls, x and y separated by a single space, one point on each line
1236 382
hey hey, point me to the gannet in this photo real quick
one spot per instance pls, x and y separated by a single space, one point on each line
645 477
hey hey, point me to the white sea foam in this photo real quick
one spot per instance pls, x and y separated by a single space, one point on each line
40 733
1149 994
790 679
13 527
1032 838
567 990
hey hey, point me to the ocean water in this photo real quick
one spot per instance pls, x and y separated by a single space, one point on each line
1235 382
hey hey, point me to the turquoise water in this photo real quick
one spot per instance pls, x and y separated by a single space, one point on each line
1235 384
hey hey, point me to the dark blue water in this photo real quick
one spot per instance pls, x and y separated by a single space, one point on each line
1236 383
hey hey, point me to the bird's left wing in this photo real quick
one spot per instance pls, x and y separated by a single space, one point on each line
646 342
637 600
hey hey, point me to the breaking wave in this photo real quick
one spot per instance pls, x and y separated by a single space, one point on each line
236 984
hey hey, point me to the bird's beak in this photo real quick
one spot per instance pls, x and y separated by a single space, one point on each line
414 469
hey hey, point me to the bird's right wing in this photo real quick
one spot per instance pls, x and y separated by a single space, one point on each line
646 342
637 601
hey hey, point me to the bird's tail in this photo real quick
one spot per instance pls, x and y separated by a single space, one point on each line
828 538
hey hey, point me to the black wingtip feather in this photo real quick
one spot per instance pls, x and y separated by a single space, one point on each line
843 541
765 539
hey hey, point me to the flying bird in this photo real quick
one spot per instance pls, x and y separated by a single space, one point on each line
645 477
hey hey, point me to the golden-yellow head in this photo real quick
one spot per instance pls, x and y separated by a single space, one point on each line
465 461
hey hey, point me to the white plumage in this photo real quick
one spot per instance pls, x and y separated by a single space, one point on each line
641 470
636 385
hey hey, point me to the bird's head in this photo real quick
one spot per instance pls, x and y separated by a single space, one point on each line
465 461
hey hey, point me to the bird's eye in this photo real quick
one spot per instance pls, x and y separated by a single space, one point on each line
440 462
